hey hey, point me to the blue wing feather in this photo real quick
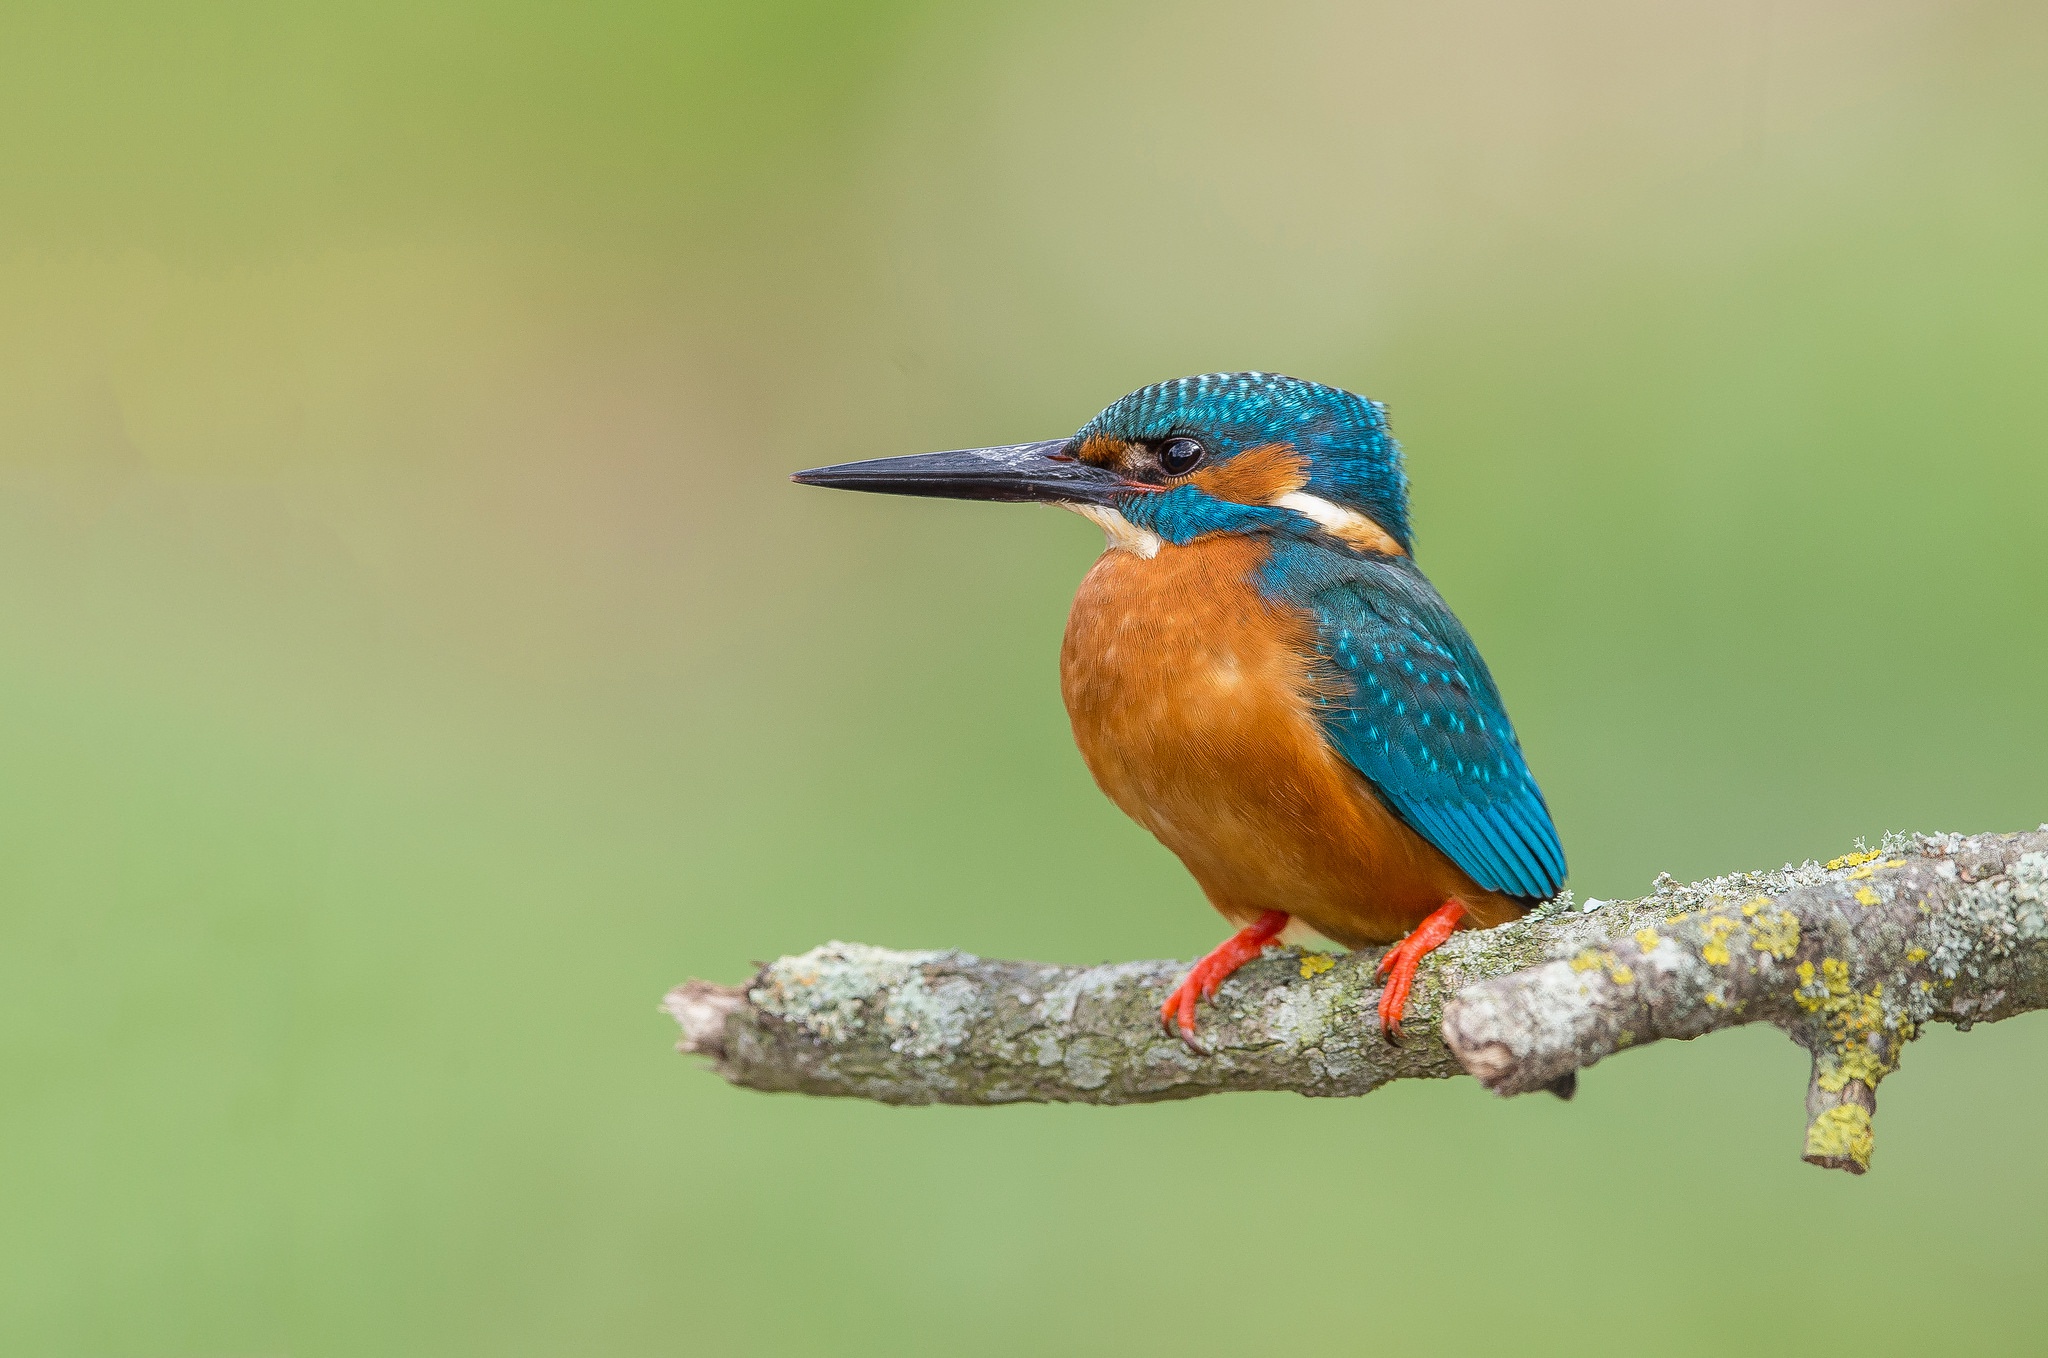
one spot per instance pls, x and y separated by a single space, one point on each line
1417 713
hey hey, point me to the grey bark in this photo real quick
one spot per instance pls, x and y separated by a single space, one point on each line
1852 959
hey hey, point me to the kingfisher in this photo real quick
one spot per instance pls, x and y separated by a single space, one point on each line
1258 672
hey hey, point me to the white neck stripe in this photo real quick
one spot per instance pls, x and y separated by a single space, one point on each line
1334 517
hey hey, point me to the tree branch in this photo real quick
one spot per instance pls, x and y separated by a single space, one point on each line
1851 959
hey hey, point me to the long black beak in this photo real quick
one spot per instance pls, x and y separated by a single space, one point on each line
1016 471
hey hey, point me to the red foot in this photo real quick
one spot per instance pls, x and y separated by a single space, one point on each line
1398 966
1240 948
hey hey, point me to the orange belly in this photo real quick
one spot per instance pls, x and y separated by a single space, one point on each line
1191 699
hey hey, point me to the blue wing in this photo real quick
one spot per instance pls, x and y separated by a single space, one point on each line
1415 710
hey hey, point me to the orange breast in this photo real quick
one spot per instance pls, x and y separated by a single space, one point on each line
1191 699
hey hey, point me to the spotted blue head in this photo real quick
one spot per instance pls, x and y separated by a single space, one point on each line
1251 438
1223 452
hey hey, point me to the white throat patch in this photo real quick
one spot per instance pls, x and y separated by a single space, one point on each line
1123 535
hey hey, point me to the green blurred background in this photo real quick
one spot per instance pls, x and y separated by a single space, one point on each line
412 660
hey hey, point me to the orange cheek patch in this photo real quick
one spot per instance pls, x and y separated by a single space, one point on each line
1256 476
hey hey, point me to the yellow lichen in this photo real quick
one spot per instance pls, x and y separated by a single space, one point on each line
1647 939
1865 896
1858 1017
1862 1044
1714 1000
1716 928
1916 953
1315 964
1860 873
1779 937
1850 860
1853 1062
1603 959
1805 996
1836 973
1752 907
1842 1133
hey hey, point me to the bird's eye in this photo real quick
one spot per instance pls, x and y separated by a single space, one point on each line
1179 456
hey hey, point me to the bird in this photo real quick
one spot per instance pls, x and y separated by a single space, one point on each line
1258 672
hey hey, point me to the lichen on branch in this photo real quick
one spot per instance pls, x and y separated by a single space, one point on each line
1852 958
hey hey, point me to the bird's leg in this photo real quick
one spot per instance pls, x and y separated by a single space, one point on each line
1209 973
1398 966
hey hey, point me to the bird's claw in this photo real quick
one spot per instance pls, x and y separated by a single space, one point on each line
1399 962
1177 1015
1208 975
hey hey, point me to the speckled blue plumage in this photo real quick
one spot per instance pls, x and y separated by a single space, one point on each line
1418 713
1420 716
